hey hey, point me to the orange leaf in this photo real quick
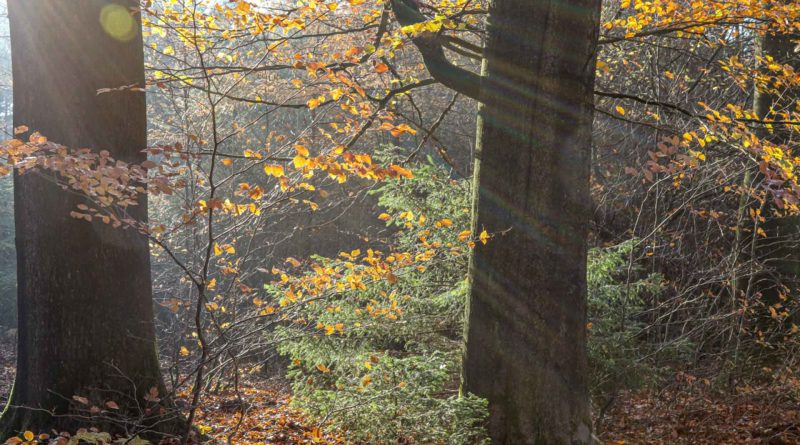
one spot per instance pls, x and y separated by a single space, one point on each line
381 68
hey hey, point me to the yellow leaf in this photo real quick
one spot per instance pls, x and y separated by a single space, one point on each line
384 217
484 237
299 162
322 368
336 93
184 351
28 435
212 284
274 170
698 154
463 236
301 150
620 110
315 102
243 7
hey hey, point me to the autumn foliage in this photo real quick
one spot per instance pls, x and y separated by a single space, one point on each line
309 185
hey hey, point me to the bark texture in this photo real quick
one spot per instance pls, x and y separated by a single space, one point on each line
85 305
778 251
526 338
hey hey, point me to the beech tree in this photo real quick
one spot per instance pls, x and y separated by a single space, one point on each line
526 333
86 337
774 101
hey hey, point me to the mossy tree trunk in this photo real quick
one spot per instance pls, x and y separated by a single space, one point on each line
526 333
85 305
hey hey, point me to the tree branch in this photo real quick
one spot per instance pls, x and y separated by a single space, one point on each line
440 68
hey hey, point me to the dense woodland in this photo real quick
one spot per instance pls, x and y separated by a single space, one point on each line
400 222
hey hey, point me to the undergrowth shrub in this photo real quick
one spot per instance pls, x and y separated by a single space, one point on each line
381 359
618 358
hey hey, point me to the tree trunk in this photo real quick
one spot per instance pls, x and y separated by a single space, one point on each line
85 304
778 251
526 333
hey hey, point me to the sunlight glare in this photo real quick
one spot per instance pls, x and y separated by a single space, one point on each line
118 22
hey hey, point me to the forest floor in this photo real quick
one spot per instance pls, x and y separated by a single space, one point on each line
696 414
687 412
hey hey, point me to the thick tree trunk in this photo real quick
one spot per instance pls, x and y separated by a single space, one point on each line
526 339
85 304
778 251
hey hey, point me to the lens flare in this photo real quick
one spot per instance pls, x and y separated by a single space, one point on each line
118 22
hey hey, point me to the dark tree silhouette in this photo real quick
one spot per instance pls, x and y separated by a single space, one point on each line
85 303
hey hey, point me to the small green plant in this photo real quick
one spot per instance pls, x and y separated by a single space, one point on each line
381 359
616 292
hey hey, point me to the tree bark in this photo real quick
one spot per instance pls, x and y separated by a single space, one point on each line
84 298
526 333
778 251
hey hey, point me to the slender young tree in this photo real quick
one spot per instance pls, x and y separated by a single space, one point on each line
85 304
